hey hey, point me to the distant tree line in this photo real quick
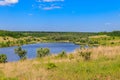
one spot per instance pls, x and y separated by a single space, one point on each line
11 34
18 34
81 38
114 33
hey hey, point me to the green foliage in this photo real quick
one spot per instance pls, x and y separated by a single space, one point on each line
62 54
42 52
11 34
86 55
71 56
3 58
21 53
50 65
81 38
114 33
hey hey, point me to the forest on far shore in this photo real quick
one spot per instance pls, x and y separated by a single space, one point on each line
16 38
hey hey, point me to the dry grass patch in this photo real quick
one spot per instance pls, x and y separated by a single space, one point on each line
24 70
97 52
99 36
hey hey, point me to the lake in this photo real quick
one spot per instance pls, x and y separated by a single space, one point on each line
55 48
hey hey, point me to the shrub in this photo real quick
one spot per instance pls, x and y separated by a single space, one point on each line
3 58
62 54
50 65
85 54
112 42
71 56
42 52
21 53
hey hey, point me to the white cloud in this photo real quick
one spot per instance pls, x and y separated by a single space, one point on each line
7 2
50 4
51 7
50 0
53 0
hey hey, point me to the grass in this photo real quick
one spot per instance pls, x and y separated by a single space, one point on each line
103 65
106 70
105 40
10 41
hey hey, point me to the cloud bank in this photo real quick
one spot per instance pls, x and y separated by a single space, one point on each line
7 2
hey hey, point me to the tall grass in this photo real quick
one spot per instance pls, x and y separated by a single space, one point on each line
103 65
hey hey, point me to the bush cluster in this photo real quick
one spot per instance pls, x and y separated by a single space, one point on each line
86 55
21 53
3 58
42 52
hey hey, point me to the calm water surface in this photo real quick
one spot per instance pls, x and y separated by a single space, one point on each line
55 48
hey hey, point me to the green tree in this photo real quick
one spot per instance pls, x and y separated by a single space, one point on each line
3 58
21 53
42 52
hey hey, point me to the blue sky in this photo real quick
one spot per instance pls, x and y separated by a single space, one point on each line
60 15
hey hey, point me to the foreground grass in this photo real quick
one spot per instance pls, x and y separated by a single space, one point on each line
104 65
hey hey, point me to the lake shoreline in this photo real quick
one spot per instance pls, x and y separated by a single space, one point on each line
55 48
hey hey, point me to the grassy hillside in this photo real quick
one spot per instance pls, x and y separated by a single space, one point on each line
103 65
